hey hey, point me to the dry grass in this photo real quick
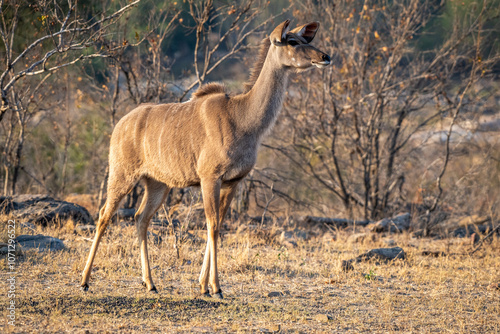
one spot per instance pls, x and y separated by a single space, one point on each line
420 294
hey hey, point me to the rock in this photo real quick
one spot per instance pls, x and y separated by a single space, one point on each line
463 232
88 201
395 224
287 239
302 235
4 248
126 213
43 210
384 254
40 242
275 294
258 220
85 229
294 235
336 222
321 317
286 235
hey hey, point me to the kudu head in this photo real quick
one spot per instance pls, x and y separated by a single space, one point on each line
292 50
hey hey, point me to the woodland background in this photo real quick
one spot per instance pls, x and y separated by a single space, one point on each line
406 116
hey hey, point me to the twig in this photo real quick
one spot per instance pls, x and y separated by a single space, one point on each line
482 240
267 205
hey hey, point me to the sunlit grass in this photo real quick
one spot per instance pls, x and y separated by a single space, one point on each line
420 294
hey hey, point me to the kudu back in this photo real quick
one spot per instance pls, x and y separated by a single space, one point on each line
209 141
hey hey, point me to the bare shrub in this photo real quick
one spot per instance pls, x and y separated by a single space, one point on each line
364 136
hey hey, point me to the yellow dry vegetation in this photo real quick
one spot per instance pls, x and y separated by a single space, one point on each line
449 293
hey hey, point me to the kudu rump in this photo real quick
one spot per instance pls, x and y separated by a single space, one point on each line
209 141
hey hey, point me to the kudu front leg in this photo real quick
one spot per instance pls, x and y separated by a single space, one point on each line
210 190
226 195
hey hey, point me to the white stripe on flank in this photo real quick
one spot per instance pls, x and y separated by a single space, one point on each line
144 135
160 152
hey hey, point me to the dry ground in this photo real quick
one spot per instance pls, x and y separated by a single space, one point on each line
451 293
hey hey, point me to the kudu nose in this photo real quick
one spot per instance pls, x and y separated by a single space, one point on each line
325 57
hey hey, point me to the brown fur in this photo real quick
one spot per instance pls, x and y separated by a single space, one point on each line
209 141
210 88
257 67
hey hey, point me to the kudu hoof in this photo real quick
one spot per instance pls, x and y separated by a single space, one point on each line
152 290
205 295
218 294
84 287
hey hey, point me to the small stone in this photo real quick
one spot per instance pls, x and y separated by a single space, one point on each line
4 248
275 294
40 242
126 213
494 286
395 224
385 254
321 318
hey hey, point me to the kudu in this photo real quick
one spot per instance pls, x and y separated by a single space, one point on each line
209 141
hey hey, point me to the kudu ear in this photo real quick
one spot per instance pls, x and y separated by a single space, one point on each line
278 36
307 31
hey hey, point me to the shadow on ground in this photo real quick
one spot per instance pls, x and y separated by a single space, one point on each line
116 305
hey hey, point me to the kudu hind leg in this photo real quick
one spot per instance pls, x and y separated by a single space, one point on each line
154 197
116 192
210 190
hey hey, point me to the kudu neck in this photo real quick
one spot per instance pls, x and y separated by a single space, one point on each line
265 99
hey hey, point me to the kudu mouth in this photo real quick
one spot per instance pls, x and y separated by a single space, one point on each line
325 61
